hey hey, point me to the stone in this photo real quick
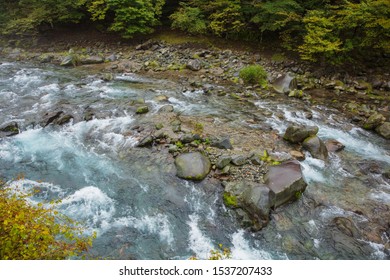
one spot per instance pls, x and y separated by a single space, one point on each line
192 166
285 83
93 59
189 137
161 98
148 45
70 60
298 155
166 109
223 143
63 119
111 58
384 130
296 134
142 110
146 141
252 198
239 160
374 121
316 147
223 161
286 182
333 145
9 129
50 117
194 65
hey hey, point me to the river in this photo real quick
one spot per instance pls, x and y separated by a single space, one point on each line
137 206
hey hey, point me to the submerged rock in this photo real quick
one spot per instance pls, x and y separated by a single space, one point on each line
286 182
192 166
316 147
9 129
296 134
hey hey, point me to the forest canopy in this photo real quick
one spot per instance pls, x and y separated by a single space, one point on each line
335 30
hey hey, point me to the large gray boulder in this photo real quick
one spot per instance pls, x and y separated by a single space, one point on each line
285 83
286 182
252 198
374 121
9 129
384 130
296 134
192 166
316 147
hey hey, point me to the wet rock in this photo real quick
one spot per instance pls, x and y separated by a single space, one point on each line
296 134
251 197
194 65
93 59
50 117
70 60
189 137
46 58
9 129
176 126
161 98
222 143
111 58
298 155
166 109
384 130
373 121
286 182
192 166
346 226
88 115
137 101
285 83
147 141
63 119
333 145
316 147
142 110
223 161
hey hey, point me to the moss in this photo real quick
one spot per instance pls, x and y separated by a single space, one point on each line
278 57
230 200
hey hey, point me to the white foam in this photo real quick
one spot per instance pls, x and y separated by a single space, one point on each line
381 196
200 244
243 251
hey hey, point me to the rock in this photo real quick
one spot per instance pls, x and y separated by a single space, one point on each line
137 101
194 65
9 129
46 58
285 83
88 115
374 121
296 134
70 60
346 226
107 77
166 109
93 59
286 182
223 143
161 98
333 145
173 148
147 141
223 161
298 155
189 137
316 147
111 58
50 117
148 45
251 197
176 126
239 160
142 110
63 119
384 130
192 166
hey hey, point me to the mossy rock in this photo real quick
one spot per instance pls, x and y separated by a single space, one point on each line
142 110
192 166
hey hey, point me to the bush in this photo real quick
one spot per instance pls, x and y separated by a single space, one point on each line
254 74
189 19
29 232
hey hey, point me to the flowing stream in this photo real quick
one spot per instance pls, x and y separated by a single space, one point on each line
141 210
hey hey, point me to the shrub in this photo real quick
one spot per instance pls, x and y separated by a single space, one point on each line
254 74
189 19
29 232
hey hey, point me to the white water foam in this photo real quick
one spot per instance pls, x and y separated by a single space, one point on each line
200 244
243 251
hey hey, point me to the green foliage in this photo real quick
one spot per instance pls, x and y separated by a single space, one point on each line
189 19
32 232
221 253
179 144
229 200
254 74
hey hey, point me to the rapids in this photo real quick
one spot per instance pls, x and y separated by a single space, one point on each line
141 210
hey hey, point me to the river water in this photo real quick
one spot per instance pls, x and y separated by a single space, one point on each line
141 210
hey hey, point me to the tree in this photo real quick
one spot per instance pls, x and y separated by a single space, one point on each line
37 232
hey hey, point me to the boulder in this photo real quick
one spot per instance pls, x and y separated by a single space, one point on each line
63 119
252 198
50 117
166 109
70 60
9 129
189 137
298 155
192 166
286 182
142 110
93 59
384 130
147 141
239 160
296 134
316 147
222 143
194 65
333 145
285 83
374 121
223 161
